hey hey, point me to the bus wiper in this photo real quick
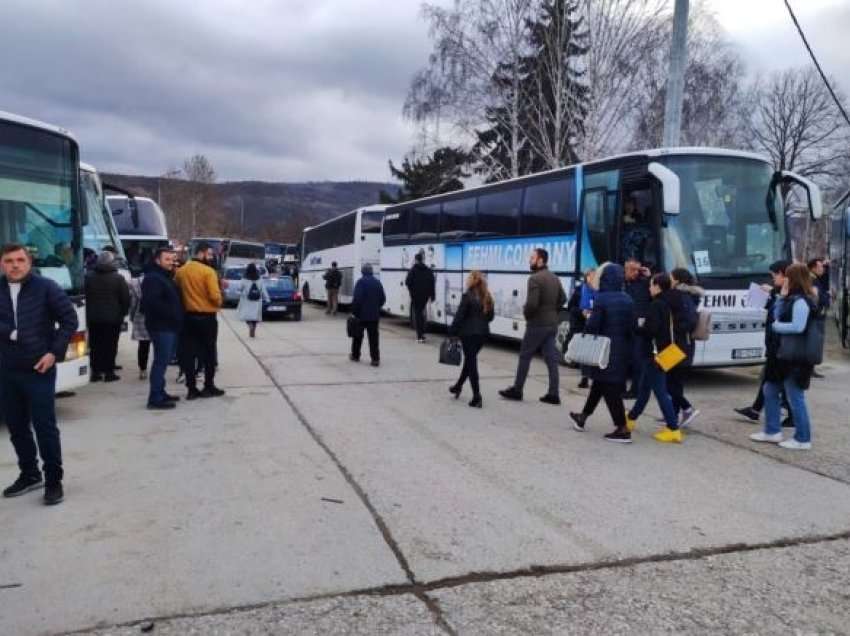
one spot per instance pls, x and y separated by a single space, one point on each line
770 200
45 217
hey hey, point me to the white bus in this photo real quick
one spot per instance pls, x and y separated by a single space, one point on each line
100 230
349 240
718 213
141 225
41 207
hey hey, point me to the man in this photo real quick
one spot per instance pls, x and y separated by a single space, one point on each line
107 302
637 286
333 281
366 305
421 283
820 278
544 300
37 321
201 295
163 312
636 232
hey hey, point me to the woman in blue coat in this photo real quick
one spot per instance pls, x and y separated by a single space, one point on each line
612 316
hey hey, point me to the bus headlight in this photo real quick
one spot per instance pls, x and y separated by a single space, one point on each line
77 347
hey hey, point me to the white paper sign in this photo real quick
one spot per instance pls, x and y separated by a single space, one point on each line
702 262
757 297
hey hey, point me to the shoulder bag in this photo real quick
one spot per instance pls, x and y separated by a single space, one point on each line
807 347
450 352
672 354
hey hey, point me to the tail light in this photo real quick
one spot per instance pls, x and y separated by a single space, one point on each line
77 347
296 296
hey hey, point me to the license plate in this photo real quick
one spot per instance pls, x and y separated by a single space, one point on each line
83 371
277 308
746 354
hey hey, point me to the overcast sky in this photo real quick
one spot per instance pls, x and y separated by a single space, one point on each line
280 90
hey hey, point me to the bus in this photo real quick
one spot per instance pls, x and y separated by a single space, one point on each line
350 240
231 253
99 231
839 267
141 226
41 208
718 213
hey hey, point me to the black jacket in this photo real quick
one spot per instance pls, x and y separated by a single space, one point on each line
613 316
161 302
107 296
46 321
368 299
421 283
638 289
333 278
471 319
657 328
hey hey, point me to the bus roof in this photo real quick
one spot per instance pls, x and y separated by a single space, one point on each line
378 207
87 167
34 123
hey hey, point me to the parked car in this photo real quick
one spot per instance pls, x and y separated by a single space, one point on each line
233 276
284 298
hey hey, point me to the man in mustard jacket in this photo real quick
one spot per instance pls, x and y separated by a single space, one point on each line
201 293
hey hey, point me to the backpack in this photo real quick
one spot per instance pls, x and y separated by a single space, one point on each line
254 293
704 325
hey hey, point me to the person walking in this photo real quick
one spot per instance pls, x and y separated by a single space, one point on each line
251 299
637 286
612 316
685 318
333 281
139 333
472 325
421 284
793 314
201 295
656 328
162 308
37 321
107 302
544 300
366 305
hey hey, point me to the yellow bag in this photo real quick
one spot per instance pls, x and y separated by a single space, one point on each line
672 354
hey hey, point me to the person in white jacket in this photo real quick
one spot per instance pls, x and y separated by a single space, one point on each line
251 299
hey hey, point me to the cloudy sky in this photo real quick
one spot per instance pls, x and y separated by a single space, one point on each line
282 90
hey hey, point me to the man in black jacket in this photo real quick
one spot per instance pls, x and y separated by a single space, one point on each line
107 302
421 283
333 281
37 321
163 311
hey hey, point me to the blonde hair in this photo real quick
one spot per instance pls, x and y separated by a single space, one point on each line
476 283
597 276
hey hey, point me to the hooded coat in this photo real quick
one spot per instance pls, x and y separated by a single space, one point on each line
612 316
107 295
421 283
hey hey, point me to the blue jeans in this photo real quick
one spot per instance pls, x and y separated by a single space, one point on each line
29 403
653 379
799 412
164 345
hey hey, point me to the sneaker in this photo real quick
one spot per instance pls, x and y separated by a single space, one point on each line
551 399
816 374
631 423
749 412
584 383
668 436
620 436
579 420
375 363
420 340
143 375
793 444
161 406
171 398
23 484
688 416
761 436
193 394
110 377
53 494
511 393
211 392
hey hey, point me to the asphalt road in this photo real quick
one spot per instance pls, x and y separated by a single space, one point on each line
323 496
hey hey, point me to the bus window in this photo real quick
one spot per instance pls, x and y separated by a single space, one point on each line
396 227
370 222
600 229
549 208
458 219
425 222
498 213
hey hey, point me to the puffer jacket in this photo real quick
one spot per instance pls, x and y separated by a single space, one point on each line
612 316
162 304
107 296
368 299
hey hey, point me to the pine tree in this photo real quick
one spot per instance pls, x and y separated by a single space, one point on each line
439 173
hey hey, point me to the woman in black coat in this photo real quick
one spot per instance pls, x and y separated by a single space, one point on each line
472 324
612 316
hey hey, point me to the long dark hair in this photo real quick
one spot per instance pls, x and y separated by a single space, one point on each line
251 272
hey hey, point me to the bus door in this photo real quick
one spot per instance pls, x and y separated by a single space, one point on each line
452 283
600 236
639 224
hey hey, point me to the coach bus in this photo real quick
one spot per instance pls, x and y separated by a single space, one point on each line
99 231
231 253
41 208
839 267
718 213
141 226
349 240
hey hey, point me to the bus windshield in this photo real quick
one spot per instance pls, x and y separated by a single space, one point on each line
100 230
723 228
39 201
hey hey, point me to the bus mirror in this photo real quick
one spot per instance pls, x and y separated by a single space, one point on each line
670 186
812 192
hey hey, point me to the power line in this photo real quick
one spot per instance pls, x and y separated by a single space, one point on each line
817 64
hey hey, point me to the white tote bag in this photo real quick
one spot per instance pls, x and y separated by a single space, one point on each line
589 350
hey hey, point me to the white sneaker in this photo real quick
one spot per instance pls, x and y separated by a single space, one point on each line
688 416
793 444
761 436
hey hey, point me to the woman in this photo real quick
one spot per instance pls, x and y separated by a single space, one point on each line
611 316
472 324
658 329
139 332
797 301
251 299
685 317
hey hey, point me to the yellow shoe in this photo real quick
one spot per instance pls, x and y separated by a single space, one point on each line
667 436
631 424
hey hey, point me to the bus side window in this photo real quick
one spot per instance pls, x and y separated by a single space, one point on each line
498 213
425 222
549 207
458 219
396 227
596 218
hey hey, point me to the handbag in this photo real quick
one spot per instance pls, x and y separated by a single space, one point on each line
589 350
704 325
806 347
353 326
672 354
450 352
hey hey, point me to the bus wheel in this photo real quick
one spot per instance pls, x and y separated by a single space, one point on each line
563 337
305 293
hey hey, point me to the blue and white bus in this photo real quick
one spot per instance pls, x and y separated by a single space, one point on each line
718 213
839 267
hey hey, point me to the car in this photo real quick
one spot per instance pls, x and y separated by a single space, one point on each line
233 276
284 298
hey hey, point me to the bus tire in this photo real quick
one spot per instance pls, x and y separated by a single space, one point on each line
305 292
562 337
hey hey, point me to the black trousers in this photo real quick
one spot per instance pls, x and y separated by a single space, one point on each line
471 346
612 393
198 345
103 345
676 388
419 318
143 354
371 329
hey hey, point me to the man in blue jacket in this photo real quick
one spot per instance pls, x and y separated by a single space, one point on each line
366 306
37 321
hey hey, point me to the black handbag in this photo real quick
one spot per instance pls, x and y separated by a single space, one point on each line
353 326
806 347
451 352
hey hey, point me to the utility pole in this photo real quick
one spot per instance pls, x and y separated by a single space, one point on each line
676 76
